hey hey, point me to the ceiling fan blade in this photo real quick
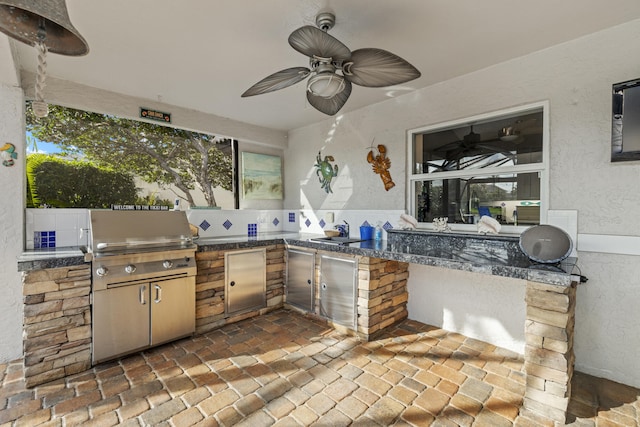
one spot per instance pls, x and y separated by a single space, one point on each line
277 81
330 106
372 67
312 41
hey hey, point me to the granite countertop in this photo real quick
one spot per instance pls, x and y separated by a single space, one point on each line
38 259
494 255
473 258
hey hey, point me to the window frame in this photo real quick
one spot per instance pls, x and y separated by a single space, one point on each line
542 168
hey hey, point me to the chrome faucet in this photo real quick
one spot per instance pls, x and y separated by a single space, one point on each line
344 229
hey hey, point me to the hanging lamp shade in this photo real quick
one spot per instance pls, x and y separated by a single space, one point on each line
23 20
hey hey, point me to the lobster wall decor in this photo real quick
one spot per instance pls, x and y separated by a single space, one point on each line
381 164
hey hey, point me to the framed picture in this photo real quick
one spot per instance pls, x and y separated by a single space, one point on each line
625 123
261 176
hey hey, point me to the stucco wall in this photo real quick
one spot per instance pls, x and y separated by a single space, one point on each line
575 78
11 224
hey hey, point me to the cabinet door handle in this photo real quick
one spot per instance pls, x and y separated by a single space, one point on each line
158 294
309 282
323 285
232 283
142 291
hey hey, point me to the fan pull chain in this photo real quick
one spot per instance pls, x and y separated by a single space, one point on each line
40 107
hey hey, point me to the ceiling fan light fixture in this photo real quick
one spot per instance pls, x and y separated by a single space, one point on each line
326 85
508 134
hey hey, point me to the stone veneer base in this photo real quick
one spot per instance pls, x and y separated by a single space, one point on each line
210 287
382 295
57 323
549 358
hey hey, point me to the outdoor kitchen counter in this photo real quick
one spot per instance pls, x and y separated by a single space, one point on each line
493 255
406 247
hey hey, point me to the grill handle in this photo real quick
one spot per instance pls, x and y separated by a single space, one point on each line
143 289
142 243
158 293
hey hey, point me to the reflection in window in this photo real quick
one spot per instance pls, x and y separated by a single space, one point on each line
479 167
509 198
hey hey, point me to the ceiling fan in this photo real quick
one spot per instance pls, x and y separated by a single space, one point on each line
333 68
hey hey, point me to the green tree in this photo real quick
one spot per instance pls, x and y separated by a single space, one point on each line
157 154
61 183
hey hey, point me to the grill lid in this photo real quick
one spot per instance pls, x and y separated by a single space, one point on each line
116 231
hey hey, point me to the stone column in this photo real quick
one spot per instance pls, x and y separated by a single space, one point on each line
382 295
549 358
57 323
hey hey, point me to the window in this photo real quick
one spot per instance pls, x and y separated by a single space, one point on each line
97 160
486 165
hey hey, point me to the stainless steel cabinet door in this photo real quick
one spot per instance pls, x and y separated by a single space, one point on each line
300 283
245 280
338 290
120 321
173 309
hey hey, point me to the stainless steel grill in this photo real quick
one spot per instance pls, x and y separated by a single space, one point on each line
143 280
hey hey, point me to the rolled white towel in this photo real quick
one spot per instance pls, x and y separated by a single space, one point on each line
407 222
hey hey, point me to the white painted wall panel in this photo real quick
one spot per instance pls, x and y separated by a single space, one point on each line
488 308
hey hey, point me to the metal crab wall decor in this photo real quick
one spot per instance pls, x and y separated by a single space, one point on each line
325 171
381 165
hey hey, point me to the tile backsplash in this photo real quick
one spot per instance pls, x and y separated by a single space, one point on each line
48 228
316 221
44 239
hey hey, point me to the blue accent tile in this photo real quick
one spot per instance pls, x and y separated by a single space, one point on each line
204 225
276 222
292 217
44 239
307 223
366 224
322 223
387 226
227 224
252 229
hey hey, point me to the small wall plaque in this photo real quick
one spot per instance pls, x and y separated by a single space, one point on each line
146 113
139 208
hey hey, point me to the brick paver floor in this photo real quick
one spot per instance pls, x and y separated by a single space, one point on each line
285 369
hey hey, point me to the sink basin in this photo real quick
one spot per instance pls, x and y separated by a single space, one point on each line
337 240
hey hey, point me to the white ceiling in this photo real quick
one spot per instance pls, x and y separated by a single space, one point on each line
203 54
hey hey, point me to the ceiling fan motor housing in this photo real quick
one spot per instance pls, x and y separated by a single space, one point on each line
325 21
